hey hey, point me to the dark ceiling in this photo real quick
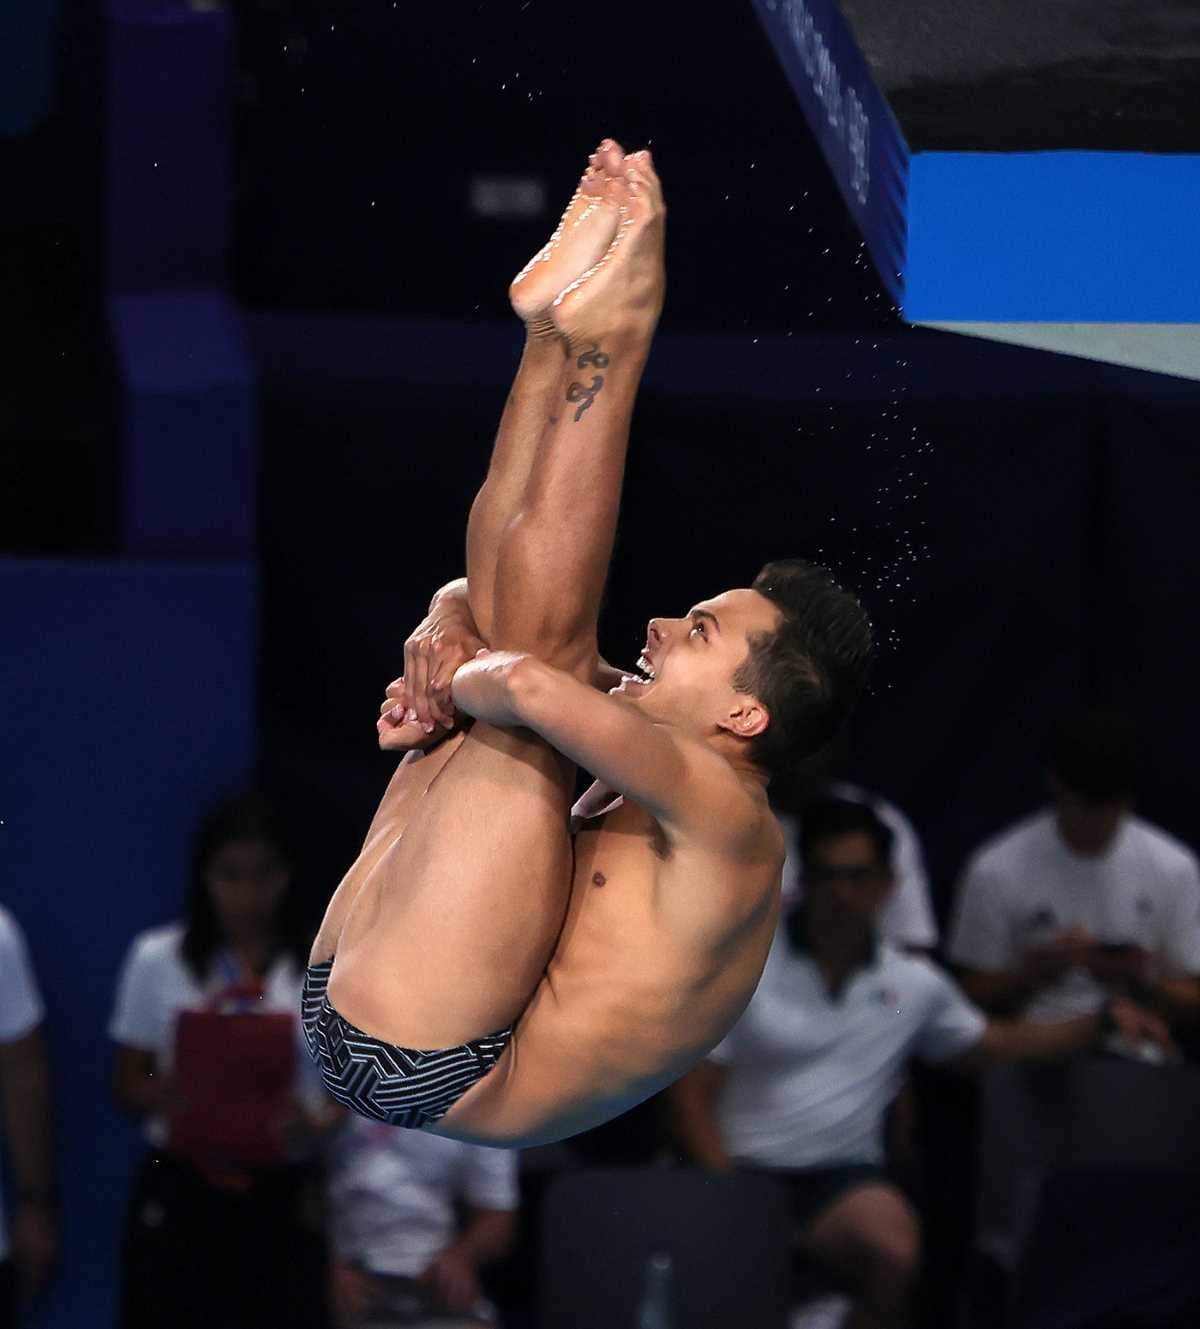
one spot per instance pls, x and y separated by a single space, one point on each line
359 134
1037 74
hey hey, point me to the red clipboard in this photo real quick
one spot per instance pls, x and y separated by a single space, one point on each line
236 1073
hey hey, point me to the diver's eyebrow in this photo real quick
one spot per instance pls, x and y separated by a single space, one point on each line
706 613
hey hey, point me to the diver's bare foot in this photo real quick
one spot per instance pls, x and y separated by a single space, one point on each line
623 293
580 240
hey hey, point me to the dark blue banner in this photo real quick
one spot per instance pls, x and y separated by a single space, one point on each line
851 121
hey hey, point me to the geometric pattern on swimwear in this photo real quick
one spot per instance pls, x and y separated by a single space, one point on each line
381 1080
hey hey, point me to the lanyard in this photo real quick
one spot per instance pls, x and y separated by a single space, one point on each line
237 992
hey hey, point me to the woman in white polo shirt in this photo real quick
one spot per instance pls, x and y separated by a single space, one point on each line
221 1226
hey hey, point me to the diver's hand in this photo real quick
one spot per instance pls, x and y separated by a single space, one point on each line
419 709
446 639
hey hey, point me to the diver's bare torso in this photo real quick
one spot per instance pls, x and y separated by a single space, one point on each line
661 949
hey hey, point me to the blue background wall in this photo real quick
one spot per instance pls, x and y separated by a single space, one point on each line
129 704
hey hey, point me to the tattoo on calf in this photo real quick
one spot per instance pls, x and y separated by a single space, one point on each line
592 358
585 396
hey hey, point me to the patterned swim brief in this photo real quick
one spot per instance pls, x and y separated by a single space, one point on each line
380 1080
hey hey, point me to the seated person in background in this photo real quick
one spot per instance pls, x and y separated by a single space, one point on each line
1082 900
210 1238
26 1260
800 1086
907 920
396 1256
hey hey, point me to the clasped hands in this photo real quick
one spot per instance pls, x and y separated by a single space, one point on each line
419 708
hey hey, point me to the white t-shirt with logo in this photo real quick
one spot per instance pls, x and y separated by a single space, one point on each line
21 1008
907 919
155 985
392 1192
1026 886
810 1076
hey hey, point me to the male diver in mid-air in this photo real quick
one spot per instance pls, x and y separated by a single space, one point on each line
495 968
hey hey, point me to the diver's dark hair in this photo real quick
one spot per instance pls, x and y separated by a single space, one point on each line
830 818
246 817
1093 752
811 669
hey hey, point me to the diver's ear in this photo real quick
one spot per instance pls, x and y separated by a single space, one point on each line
746 718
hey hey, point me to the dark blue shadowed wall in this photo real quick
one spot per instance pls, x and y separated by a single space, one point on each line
129 705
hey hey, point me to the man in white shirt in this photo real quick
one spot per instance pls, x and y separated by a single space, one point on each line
25 1093
907 920
391 1201
801 1085
1084 899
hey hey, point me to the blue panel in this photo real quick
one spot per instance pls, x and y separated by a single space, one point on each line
179 341
349 348
189 446
849 118
130 705
1053 237
189 474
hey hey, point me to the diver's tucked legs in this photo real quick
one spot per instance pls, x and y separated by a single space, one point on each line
580 240
554 555
452 932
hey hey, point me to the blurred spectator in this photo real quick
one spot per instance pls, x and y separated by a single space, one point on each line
224 1220
27 1256
397 1257
800 1086
1084 899
907 919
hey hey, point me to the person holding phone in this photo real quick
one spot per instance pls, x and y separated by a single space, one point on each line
1084 900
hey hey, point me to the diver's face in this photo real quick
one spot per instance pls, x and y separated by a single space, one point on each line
689 663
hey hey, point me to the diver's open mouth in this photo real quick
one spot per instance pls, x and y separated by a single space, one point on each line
645 668
642 680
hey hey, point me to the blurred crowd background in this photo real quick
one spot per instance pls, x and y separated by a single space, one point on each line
253 262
